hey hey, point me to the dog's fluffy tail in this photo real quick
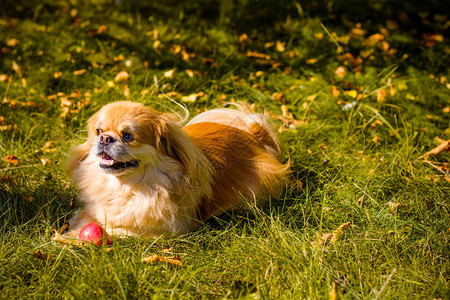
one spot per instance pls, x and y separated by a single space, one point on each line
242 118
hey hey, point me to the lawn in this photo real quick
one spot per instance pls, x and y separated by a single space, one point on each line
358 91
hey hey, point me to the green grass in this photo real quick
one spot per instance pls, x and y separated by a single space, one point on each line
371 151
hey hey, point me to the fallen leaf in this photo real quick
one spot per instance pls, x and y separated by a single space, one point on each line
352 93
259 73
335 91
381 95
175 261
169 74
126 91
43 256
430 39
79 72
311 97
8 127
243 38
333 292
63 239
287 70
122 77
340 72
376 139
279 97
280 47
45 161
11 159
190 73
251 54
192 97
284 112
17 68
360 201
376 123
12 42
394 206
332 237
357 32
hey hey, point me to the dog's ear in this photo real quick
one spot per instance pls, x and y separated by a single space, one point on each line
79 153
177 145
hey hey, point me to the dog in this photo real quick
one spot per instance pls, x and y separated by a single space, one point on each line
141 174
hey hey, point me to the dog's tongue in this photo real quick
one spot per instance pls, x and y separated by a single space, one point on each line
108 160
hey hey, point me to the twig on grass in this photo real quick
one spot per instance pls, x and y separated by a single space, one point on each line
158 258
435 151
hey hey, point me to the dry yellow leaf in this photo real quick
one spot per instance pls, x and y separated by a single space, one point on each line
4 77
280 47
258 55
169 74
79 72
17 68
259 73
376 139
394 206
352 93
11 159
333 292
12 42
360 201
278 97
190 73
45 161
122 77
332 237
340 72
43 256
335 91
381 95
284 111
158 258
126 91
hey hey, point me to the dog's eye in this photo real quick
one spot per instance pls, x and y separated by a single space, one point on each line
98 131
127 137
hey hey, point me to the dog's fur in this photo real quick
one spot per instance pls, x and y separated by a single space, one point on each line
141 174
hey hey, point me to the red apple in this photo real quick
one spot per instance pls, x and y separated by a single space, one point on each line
94 233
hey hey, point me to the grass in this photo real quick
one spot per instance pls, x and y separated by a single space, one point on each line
59 61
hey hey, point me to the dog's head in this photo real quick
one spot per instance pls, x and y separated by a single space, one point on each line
125 137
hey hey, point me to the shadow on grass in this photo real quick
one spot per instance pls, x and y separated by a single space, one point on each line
45 203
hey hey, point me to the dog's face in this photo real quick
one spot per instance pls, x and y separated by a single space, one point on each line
124 137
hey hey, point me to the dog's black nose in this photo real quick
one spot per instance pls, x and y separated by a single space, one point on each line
106 139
